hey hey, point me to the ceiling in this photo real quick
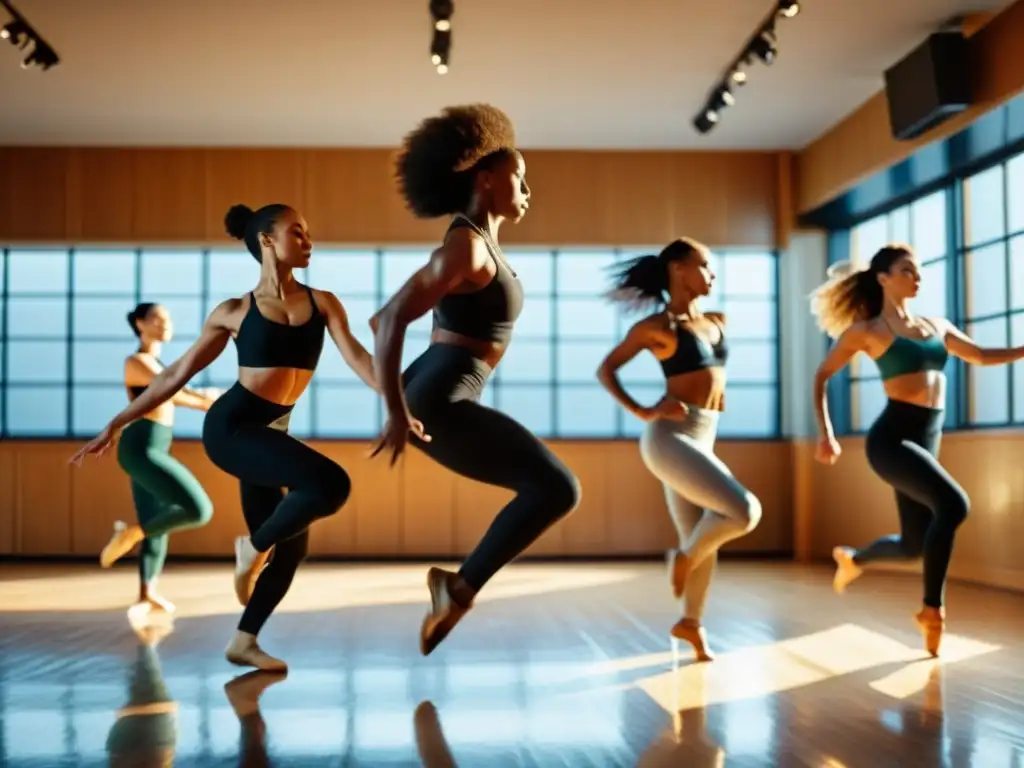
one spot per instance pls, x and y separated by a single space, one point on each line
572 73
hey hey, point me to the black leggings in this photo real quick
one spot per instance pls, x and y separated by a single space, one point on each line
443 388
239 438
903 449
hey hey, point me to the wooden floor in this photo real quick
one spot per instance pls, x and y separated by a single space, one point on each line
560 665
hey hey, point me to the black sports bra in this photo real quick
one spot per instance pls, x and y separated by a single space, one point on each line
487 314
263 343
694 353
134 392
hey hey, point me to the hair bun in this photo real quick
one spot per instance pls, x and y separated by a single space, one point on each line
237 220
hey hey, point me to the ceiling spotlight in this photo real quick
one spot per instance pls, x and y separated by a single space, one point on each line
16 33
789 8
442 69
738 76
443 25
705 121
763 46
720 99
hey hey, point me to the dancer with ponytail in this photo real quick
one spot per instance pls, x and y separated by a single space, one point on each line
867 311
167 496
464 164
278 330
709 506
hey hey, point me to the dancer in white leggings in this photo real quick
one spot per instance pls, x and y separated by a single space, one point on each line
708 505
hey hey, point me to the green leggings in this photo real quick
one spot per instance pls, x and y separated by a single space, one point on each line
167 496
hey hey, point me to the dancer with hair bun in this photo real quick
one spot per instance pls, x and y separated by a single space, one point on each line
167 497
866 310
463 163
278 329
709 507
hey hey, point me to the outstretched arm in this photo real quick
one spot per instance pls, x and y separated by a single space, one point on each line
140 372
354 353
964 347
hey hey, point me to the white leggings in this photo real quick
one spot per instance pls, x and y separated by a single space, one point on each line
708 505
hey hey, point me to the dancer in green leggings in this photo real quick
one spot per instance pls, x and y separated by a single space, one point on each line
167 496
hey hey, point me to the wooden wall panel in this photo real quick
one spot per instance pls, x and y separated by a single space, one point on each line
417 509
33 194
254 177
100 195
851 506
102 199
176 209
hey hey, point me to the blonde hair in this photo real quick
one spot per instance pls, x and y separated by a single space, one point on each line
852 295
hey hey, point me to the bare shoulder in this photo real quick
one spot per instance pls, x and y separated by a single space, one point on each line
326 301
224 315
718 318
652 325
463 248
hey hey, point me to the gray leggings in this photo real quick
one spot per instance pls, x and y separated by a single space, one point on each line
708 505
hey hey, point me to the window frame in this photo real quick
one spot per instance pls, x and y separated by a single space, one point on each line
552 385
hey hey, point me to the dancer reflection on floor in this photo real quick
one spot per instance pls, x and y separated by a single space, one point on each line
278 330
867 310
464 164
167 497
146 729
709 506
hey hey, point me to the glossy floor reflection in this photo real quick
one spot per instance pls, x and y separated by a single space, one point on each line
566 665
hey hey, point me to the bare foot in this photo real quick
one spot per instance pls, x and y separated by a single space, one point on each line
244 651
846 569
692 632
121 543
248 564
678 569
931 622
160 604
245 690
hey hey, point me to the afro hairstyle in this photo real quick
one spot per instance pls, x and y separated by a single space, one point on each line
437 162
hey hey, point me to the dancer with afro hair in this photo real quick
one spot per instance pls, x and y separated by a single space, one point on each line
464 164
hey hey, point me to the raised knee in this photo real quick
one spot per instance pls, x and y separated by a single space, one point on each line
201 511
336 488
750 512
564 492
958 507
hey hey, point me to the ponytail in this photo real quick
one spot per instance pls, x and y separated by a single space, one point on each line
852 295
639 282
643 280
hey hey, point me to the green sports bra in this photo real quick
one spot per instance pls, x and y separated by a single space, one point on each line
906 355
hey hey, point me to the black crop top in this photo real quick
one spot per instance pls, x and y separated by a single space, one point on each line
135 391
489 313
263 343
694 353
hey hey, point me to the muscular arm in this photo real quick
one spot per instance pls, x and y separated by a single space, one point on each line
354 353
963 346
849 344
637 340
457 260
171 379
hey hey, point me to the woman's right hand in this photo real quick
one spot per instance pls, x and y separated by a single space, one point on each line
666 408
98 445
827 450
396 434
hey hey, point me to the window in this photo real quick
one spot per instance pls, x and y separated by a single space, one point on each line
65 337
